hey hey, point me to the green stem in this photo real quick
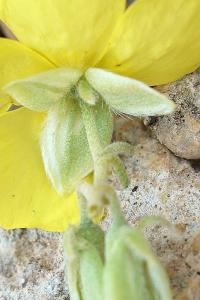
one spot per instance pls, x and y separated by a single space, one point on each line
117 148
118 217
93 196
110 159
101 165
83 208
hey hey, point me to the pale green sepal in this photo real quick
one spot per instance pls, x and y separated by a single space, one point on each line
84 246
86 92
156 273
91 273
129 96
42 91
65 149
159 280
124 274
72 261
141 275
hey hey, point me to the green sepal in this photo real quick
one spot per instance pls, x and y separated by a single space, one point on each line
65 149
84 245
91 273
42 91
86 92
142 276
129 96
123 274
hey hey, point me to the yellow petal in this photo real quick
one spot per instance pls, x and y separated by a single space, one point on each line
5 103
17 61
27 198
156 41
72 33
4 108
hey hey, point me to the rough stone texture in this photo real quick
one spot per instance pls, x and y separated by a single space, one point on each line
180 131
31 261
31 265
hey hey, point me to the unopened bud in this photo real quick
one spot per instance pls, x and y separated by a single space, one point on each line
132 271
126 270
84 247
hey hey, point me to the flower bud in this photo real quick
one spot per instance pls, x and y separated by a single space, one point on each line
131 270
127 269
84 256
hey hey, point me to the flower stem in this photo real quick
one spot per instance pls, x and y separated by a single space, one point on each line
83 208
116 212
103 158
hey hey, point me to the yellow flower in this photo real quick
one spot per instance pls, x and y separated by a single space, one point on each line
152 41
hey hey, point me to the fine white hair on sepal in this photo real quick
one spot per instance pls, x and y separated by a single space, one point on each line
48 149
128 95
42 91
62 136
64 145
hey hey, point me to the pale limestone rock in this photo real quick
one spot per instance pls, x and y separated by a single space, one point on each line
180 131
31 265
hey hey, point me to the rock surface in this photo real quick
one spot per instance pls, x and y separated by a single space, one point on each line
180 131
31 265
31 261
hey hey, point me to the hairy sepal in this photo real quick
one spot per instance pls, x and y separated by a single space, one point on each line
129 96
65 149
84 246
42 91
140 275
